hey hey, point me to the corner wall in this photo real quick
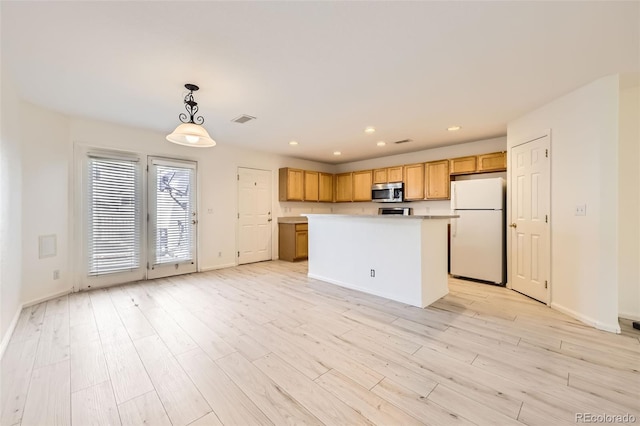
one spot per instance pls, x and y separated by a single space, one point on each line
584 170
10 209
629 201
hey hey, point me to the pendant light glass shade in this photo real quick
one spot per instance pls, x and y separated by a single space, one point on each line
191 134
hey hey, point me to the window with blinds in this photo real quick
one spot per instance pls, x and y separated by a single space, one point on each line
114 225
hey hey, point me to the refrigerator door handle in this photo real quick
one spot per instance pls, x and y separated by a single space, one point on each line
454 227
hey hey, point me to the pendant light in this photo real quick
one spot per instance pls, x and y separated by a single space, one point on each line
191 132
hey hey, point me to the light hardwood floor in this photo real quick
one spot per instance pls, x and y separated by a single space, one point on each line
264 344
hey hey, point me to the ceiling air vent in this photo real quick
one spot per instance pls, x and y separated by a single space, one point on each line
402 141
243 119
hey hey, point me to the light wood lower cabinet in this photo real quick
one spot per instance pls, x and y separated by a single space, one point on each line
344 187
362 185
437 180
293 241
414 182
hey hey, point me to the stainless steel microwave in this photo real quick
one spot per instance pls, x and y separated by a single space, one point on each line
388 192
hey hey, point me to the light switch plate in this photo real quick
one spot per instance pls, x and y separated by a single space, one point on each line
581 210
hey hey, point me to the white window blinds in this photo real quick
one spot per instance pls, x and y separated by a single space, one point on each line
173 214
114 226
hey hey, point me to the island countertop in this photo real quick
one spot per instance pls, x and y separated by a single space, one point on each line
292 219
388 216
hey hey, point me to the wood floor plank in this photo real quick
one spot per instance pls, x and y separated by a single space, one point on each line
59 305
54 340
179 396
230 404
29 323
88 364
17 365
376 409
417 404
176 339
128 375
49 398
202 335
136 323
247 346
209 420
144 410
104 312
94 405
80 309
280 407
317 400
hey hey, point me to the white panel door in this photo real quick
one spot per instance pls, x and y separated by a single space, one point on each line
530 200
172 221
254 215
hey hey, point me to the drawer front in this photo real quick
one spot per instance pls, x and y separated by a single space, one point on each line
302 226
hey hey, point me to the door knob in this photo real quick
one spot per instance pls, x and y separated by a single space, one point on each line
513 225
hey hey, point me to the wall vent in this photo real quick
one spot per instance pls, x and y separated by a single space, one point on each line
403 141
243 119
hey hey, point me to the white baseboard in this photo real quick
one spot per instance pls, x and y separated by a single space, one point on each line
213 268
626 315
7 336
612 328
46 298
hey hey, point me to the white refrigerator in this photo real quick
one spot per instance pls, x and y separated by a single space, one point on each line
477 247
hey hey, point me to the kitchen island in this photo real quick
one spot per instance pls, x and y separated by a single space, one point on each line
402 258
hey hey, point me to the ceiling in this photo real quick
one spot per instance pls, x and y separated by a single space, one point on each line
316 72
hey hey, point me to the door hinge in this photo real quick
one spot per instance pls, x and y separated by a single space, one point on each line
546 218
238 215
147 265
238 254
546 284
147 167
147 217
238 176
546 153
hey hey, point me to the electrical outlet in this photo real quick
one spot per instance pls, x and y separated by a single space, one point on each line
210 211
373 273
581 210
56 274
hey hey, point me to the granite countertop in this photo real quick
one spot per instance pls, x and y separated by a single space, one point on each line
392 216
293 219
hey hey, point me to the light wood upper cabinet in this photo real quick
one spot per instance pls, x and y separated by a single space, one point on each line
362 185
311 186
394 174
388 175
325 193
437 180
344 188
291 184
494 162
414 182
463 165
380 176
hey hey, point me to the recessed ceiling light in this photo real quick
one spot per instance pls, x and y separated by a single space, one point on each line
454 128
370 129
292 143
381 143
337 153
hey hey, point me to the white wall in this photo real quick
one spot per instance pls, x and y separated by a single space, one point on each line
10 208
45 199
584 170
629 201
